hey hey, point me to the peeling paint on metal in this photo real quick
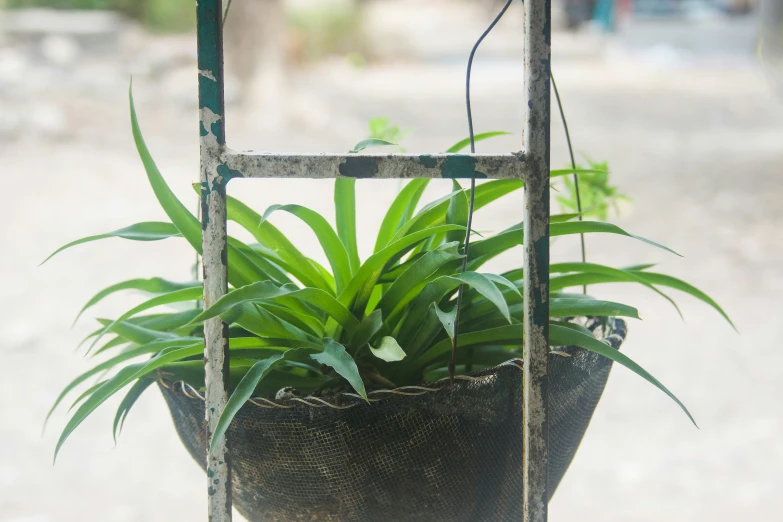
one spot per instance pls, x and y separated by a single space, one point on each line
214 238
536 257
318 166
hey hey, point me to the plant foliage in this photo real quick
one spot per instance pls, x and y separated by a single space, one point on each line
356 325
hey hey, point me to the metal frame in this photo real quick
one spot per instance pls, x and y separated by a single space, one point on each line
219 165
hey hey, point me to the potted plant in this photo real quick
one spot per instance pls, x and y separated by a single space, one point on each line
342 407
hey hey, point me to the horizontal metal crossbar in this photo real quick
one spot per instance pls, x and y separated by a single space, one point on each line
451 166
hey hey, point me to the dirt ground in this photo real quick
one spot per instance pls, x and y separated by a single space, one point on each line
694 139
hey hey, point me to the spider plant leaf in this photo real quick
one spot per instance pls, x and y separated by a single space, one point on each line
556 283
127 403
388 350
242 393
368 327
585 227
345 215
478 137
86 393
400 211
457 212
180 216
358 291
153 347
562 336
266 290
327 237
154 285
677 284
276 246
124 376
435 214
576 307
408 284
146 231
509 335
177 296
335 356
265 323
567 172
371 142
147 328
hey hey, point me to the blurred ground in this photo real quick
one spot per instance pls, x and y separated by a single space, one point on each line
692 133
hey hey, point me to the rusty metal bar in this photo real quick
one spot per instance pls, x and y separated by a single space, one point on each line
538 16
214 242
275 165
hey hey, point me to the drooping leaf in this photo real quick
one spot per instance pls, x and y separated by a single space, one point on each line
242 393
154 285
563 336
335 356
127 403
147 231
177 296
574 307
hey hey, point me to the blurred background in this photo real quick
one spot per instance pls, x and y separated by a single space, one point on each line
683 98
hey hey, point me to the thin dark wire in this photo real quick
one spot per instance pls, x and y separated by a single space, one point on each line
460 291
225 13
573 166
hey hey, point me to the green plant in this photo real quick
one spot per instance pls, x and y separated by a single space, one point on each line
596 194
380 322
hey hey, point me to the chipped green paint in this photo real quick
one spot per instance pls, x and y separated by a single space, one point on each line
459 166
359 167
210 59
227 174
428 161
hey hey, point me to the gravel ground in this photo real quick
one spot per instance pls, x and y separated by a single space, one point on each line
695 142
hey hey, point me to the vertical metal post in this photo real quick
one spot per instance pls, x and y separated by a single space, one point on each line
214 254
538 16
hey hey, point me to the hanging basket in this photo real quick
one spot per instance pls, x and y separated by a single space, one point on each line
437 452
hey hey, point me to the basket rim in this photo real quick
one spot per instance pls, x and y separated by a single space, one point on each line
617 331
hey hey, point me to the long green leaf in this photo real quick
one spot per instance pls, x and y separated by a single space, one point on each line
345 213
573 307
153 347
358 291
327 237
180 216
266 290
146 231
125 376
177 296
677 284
400 211
154 285
563 336
127 403
556 283
274 245
478 137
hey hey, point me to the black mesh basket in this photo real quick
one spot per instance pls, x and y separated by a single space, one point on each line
437 452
